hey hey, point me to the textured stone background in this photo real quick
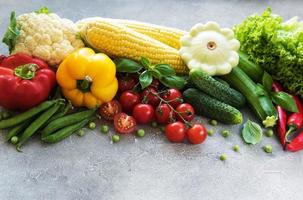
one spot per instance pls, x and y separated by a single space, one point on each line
151 168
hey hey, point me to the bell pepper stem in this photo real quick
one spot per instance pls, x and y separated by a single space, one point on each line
27 71
84 84
289 131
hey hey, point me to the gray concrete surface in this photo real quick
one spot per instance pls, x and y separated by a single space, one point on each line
91 167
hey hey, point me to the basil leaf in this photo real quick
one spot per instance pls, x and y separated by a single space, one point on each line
165 69
145 79
127 65
267 81
252 132
173 82
155 73
284 100
145 62
11 33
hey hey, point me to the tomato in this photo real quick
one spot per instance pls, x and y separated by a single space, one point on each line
175 132
186 111
155 84
196 134
164 114
110 109
128 100
124 123
148 96
143 113
173 96
126 83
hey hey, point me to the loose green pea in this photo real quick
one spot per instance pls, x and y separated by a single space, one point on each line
154 124
104 129
115 138
267 149
80 132
162 128
92 125
140 133
14 140
210 132
269 133
223 157
236 148
213 122
225 133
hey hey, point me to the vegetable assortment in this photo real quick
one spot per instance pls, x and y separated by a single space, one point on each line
132 73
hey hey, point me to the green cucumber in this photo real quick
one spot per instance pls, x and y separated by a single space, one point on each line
216 89
210 107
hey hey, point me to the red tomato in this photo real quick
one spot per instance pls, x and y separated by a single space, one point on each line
173 96
148 96
196 134
175 132
155 84
124 123
186 111
126 83
110 109
143 113
164 114
128 100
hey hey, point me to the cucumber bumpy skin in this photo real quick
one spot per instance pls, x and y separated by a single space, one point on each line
212 108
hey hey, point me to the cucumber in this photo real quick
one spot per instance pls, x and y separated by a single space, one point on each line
211 107
216 89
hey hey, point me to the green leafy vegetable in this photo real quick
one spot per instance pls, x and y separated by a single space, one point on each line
11 33
252 132
145 62
173 82
127 65
284 100
165 69
42 10
145 79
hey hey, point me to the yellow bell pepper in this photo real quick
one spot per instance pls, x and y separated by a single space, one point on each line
87 78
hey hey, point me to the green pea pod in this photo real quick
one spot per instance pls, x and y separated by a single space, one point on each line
66 121
16 130
13 121
64 132
36 124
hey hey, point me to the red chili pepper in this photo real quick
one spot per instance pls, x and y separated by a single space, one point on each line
282 115
296 144
295 120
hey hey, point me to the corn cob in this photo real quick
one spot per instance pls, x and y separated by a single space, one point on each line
117 40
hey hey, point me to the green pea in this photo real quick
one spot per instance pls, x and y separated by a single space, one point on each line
223 157
225 133
140 133
162 128
80 132
236 148
213 122
115 138
267 149
210 132
104 129
92 125
154 124
14 140
269 133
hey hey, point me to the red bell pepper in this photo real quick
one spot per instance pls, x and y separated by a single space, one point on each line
24 82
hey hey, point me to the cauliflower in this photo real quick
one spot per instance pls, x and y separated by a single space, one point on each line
42 34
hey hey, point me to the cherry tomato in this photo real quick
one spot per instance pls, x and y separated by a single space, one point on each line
155 84
164 114
110 109
148 96
143 113
128 100
173 96
126 83
186 111
175 132
124 123
196 134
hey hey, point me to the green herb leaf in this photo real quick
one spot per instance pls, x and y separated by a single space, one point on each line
145 62
252 132
267 81
127 65
145 79
173 82
155 73
42 10
165 69
260 91
11 33
285 101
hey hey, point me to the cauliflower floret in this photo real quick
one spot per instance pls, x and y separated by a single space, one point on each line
46 36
